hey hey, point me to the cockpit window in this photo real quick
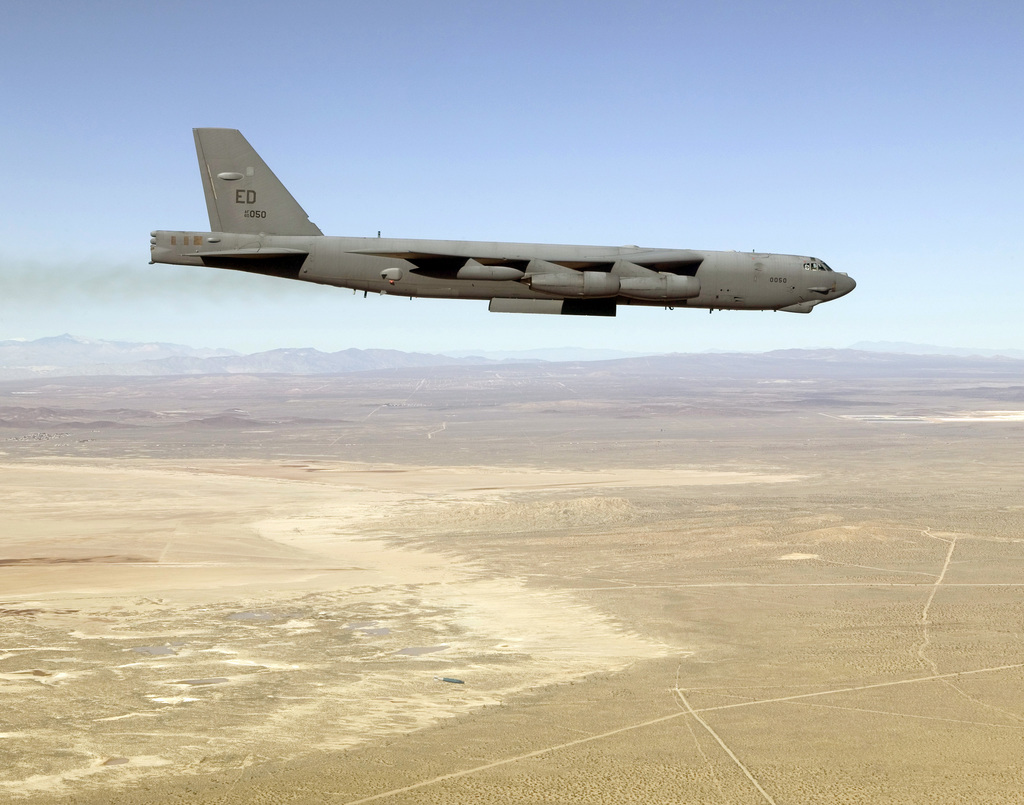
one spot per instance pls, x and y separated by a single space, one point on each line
816 265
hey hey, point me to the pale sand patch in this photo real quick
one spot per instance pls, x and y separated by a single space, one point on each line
793 557
460 480
43 783
981 416
960 416
111 557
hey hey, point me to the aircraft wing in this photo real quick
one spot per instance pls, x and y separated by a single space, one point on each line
442 265
449 264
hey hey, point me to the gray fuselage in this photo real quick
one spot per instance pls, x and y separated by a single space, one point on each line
724 280
259 227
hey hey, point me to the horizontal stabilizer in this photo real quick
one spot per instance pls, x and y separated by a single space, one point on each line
254 253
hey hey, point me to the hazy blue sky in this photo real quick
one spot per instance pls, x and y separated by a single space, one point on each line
885 138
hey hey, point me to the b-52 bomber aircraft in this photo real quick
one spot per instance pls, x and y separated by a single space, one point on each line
258 227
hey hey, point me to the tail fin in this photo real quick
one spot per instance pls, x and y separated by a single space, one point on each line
242 194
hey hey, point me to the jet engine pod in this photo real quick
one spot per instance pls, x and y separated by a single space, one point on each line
392 275
582 284
476 271
667 287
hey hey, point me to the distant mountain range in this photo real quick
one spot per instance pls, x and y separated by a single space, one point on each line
69 356
69 350
552 354
904 348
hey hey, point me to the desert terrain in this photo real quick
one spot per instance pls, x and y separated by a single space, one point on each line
785 578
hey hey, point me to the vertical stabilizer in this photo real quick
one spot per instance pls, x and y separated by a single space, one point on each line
242 194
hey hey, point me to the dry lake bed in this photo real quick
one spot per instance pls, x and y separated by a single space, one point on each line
788 578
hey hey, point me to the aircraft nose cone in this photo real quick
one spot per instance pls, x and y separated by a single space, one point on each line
844 285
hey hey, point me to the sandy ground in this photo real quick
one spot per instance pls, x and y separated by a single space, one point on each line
245 606
757 601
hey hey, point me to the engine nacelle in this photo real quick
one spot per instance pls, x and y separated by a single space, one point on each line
581 284
667 287
477 271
